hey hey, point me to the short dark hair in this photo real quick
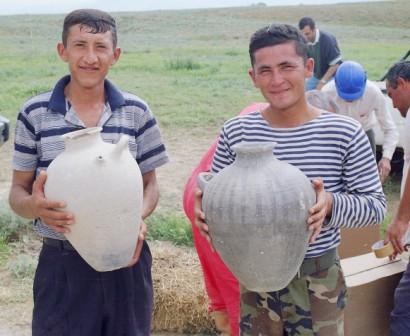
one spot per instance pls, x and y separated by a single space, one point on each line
97 21
276 34
399 69
307 21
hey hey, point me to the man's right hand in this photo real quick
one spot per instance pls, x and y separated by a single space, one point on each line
395 233
50 212
200 217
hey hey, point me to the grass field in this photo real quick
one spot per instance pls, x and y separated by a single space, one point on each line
191 67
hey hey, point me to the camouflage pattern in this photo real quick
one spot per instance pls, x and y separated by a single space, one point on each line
311 305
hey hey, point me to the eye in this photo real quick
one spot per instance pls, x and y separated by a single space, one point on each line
264 71
287 67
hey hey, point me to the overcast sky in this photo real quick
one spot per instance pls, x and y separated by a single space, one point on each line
8 7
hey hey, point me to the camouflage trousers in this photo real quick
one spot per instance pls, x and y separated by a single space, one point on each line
311 305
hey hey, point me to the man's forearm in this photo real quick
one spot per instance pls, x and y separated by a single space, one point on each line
403 213
151 194
329 73
21 203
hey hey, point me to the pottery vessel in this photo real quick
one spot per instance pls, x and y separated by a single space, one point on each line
102 186
256 210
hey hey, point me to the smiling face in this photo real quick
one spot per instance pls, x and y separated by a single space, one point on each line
89 56
280 75
400 95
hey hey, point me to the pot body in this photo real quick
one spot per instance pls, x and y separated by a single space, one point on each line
256 210
102 186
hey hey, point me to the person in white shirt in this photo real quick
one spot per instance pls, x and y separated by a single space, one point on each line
361 99
398 89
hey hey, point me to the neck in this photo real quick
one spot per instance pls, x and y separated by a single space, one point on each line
290 117
84 96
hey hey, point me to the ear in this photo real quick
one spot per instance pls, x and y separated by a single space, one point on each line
402 83
251 73
117 54
61 51
309 66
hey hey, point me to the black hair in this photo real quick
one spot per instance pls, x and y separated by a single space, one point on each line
276 34
399 69
97 21
307 21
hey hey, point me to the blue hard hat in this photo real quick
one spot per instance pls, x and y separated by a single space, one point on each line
350 80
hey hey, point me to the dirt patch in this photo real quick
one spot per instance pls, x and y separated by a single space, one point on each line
185 150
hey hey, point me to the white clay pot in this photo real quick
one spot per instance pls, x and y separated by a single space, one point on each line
102 186
256 210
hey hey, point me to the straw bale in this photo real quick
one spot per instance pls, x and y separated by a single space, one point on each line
180 301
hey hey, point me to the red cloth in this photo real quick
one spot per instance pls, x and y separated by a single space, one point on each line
221 285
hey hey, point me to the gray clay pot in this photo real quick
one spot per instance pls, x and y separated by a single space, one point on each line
256 210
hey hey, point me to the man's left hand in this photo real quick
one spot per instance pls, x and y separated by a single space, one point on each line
320 210
384 169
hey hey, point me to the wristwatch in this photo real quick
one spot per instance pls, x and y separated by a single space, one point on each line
323 81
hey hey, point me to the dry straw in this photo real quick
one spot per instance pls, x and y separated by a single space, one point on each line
179 296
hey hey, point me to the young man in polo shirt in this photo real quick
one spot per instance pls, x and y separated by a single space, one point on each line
71 298
332 151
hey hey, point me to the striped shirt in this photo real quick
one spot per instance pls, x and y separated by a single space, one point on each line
331 147
44 118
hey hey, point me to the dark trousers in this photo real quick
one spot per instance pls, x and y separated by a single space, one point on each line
371 136
400 316
72 299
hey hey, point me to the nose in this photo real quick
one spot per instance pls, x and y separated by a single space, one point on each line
276 78
90 56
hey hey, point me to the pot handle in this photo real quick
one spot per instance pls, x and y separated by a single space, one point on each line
203 179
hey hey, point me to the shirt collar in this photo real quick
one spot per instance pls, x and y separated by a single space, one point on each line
317 35
58 102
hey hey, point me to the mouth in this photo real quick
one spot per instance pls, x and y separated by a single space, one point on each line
278 92
88 68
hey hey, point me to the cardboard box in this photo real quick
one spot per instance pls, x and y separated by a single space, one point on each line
358 241
370 286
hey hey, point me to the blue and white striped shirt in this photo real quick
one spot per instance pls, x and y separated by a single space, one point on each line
44 118
330 146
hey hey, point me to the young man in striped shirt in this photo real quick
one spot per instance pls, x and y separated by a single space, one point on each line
334 152
71 298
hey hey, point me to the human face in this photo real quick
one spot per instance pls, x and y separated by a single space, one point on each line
310 34
400 95
89 56
280 75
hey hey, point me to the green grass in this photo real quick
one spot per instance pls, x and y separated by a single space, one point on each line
191 66
4 252
171 228
12 227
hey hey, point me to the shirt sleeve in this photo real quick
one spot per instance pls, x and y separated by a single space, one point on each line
362 202
25 154
151 152
387 125
331 50
224 156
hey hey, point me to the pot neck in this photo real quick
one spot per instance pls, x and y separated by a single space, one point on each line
84 138
252 154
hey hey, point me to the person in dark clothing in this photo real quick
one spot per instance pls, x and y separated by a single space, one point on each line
323 48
